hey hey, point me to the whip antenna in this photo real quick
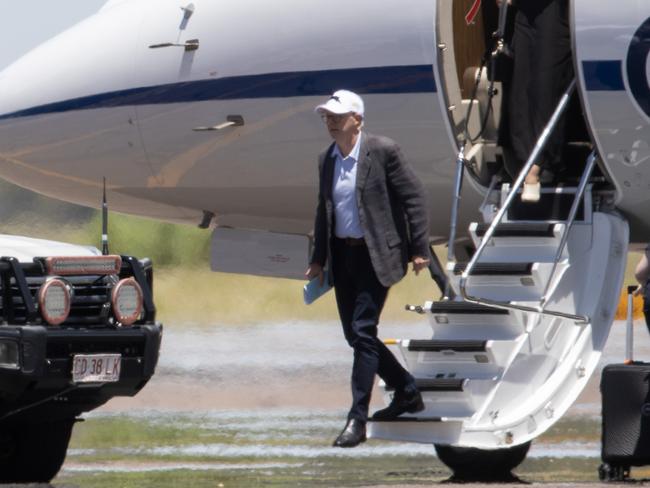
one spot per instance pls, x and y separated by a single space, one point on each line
104 223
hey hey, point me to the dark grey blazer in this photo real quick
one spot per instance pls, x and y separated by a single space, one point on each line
392 209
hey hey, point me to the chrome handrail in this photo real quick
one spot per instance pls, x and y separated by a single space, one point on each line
458 187
539 146
591 162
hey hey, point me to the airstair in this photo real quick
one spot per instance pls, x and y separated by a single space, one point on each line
534 306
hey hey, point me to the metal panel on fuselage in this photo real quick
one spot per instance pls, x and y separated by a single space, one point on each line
272 67
60 134
612 42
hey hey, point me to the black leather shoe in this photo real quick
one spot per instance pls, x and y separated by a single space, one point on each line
402 403
352 435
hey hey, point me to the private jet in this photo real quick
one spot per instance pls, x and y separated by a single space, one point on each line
202 112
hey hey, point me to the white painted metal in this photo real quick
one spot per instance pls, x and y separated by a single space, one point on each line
442 432
163 171
259 176
538 373
25 249
478 326
519 288
522 249
259 253
455 364
604 35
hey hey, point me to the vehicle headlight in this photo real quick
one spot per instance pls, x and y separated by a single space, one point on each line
127 301
54 301
9 354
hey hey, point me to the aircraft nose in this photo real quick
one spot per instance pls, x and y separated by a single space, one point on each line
12 97
94 56
46 75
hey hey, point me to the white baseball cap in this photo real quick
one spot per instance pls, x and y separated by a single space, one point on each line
342 102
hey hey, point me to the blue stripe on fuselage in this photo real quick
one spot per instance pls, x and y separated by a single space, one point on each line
380 80
603 75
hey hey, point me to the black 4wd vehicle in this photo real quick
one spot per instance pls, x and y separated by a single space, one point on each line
78 328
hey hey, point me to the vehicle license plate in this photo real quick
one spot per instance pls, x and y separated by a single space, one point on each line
96 368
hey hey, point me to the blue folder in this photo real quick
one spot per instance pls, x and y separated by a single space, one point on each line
314 290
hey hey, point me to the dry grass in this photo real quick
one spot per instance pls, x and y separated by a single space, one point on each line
621 312
201 296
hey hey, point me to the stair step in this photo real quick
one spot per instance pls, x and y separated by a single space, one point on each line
496 269
554 205
518 229
506 282
448 397
439 346
451 307
437 384
457 320
407 419
453 358
519 242
421 429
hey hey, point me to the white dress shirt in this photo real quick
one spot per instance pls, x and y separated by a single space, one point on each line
344 196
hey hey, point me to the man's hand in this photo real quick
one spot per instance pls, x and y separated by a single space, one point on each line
315 270
419 263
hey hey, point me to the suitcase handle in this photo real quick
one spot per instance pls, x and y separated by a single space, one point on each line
629 330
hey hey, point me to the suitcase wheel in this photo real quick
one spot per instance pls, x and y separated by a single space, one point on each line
607 472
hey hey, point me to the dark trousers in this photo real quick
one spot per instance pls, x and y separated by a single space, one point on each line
360 298
543 69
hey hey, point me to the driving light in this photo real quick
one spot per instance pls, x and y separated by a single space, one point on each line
72 265
54 301
127 301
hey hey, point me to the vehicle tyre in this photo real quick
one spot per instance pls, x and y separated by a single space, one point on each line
34 453
472 464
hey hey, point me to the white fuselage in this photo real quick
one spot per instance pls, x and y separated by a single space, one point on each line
114 107
97 101
612 45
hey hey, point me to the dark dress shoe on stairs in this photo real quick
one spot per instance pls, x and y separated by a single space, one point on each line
352 435
403 402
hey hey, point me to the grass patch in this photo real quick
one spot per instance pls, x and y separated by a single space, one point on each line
307 473
200 296
106 433
331 472
572 429
268 467
566 470
165 244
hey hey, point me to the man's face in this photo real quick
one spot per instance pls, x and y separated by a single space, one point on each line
343 125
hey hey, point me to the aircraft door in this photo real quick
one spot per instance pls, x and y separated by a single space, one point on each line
612 47
463 30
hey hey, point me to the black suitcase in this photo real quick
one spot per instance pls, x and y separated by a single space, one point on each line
625 390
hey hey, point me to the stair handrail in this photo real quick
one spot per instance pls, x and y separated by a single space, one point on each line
584 179
539 146
458 188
